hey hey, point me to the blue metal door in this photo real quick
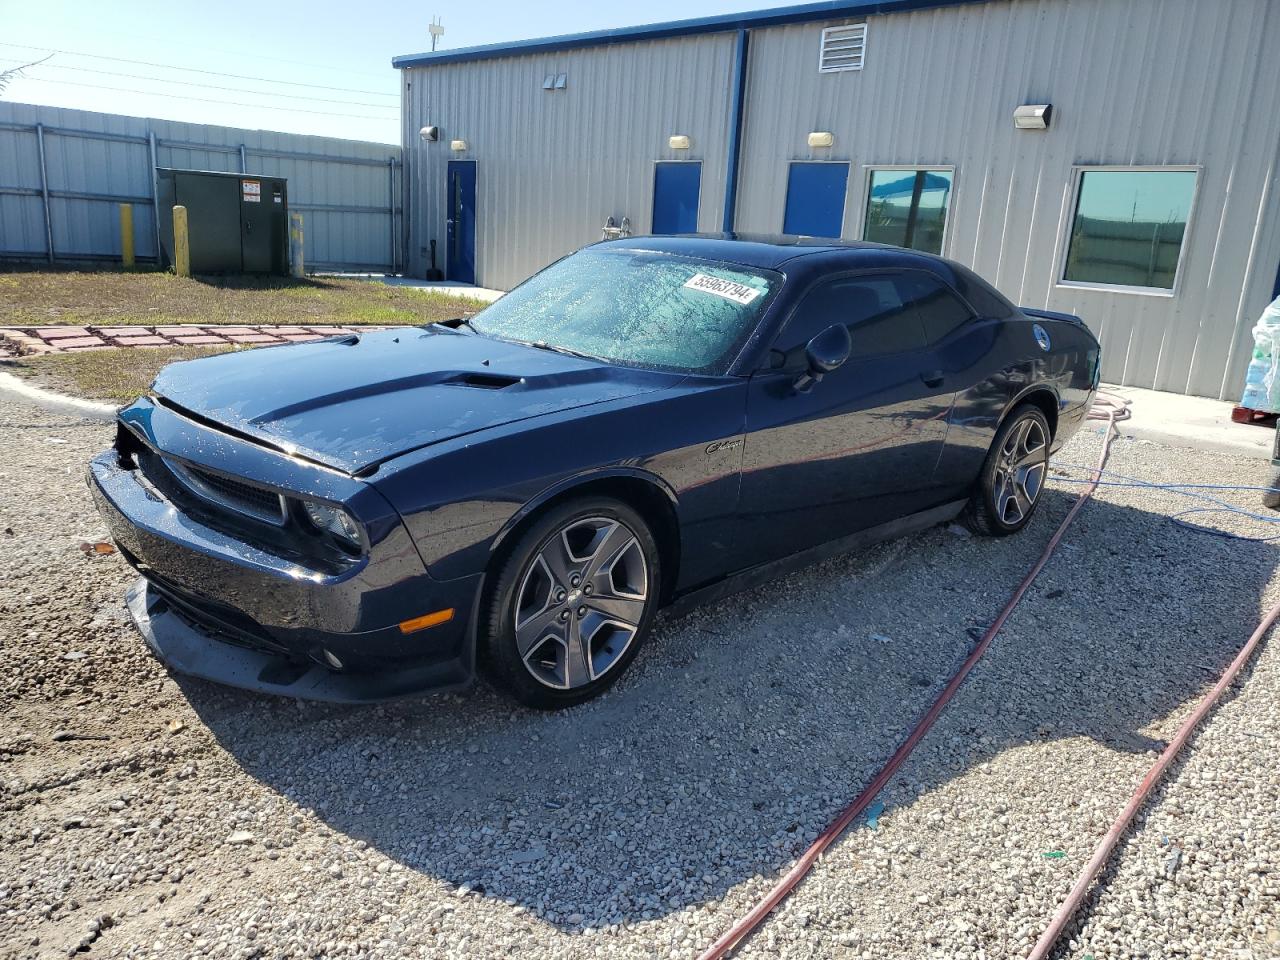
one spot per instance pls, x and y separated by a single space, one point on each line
815 199
675 197
460 244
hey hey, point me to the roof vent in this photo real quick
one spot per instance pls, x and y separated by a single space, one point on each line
843 48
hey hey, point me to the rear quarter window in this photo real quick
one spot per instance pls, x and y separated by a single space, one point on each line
982 296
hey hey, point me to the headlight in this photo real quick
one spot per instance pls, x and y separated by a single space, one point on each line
334 521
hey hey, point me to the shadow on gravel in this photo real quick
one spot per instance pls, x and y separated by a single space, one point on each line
745 726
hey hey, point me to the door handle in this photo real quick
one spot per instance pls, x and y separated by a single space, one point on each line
932 378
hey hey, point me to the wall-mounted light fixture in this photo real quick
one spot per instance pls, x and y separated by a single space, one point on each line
1033 116
820 138
429 134
458 146
678 142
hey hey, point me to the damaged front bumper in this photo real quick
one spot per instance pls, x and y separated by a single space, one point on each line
217 601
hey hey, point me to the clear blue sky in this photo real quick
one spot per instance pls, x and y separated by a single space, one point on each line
347 46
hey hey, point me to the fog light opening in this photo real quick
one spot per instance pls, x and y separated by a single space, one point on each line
331 659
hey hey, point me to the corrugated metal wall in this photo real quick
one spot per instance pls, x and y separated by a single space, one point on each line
348 191
1139 82
1158 82
553 165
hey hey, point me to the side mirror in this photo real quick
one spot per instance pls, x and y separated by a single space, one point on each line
826 352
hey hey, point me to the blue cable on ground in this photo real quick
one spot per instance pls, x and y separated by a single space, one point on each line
1186 490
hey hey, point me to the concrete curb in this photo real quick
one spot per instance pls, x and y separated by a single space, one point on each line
14 386
1196 423
1260 450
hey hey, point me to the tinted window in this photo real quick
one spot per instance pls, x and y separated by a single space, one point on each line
1128 227
636 307
876 309
983 297
940 310
908 208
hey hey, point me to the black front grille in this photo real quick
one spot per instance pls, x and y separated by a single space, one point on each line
228 493
214 619
242 493
240 510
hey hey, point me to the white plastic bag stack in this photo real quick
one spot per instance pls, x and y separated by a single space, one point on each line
1262 382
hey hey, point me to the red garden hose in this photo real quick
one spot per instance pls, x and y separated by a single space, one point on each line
1103 851
1106 407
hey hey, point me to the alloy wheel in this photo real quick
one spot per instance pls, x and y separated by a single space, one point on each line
580 602
1020 471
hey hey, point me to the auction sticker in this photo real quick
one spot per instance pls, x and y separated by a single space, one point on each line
737 292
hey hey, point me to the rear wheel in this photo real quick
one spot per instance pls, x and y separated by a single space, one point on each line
1271 498
1013 476
572 603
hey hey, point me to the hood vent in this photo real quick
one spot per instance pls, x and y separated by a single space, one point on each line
484 381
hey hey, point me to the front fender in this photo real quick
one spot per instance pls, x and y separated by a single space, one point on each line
461 499
568 484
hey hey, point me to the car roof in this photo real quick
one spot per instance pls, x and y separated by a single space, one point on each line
771 251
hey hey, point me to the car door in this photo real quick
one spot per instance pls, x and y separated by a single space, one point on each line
856 449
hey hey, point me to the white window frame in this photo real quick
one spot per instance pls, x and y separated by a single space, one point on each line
1069 219
864 201
822 48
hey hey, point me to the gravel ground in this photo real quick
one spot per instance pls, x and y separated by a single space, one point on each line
148 816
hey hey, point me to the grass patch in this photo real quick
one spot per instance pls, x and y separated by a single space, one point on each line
115 375
45 298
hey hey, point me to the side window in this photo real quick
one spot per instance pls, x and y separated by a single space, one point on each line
940 310
878 310
986 299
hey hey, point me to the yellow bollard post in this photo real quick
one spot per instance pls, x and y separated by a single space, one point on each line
295 244
181 243
126 234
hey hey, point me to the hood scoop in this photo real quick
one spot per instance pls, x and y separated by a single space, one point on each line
354 406
483 381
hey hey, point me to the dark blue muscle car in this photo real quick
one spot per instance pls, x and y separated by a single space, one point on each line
646 421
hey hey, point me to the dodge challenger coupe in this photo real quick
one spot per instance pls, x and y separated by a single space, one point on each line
649 420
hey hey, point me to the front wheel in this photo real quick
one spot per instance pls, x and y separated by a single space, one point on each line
1013 476
573 602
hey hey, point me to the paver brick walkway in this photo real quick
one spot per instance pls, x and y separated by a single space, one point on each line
32 341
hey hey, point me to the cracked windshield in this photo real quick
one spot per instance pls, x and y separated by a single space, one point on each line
637 308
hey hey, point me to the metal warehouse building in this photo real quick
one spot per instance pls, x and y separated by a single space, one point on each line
1144 196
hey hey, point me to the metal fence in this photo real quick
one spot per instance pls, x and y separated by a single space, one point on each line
63 174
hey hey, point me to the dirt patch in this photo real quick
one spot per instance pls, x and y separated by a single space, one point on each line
112 298
118 375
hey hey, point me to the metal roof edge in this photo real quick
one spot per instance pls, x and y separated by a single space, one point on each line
721 23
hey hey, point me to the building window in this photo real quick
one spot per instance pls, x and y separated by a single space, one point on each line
1128 227
908 207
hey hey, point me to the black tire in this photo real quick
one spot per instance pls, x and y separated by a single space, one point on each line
1271 498
989 512
501 654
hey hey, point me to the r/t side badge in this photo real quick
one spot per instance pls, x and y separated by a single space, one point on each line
1042 336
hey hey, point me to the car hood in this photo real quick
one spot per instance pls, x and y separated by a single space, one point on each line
354 402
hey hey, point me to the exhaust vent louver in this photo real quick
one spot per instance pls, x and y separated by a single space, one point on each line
843 48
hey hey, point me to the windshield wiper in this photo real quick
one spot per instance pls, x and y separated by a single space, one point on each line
556 348
454 323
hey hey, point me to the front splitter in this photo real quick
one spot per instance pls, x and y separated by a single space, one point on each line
184 648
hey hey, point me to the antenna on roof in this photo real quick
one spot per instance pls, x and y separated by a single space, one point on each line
437 31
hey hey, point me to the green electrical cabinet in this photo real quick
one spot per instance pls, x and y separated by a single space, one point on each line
236 222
